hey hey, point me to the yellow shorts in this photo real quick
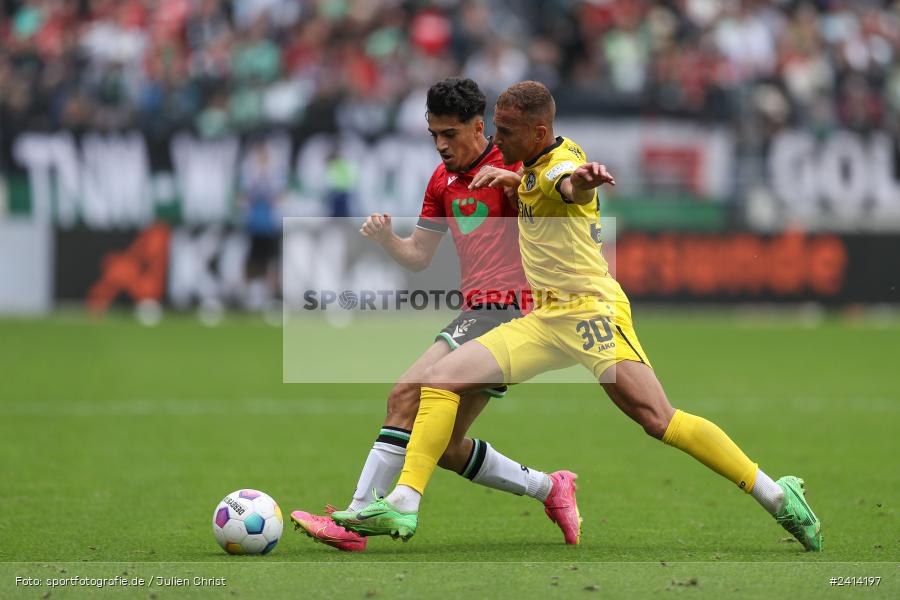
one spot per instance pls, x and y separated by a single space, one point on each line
594 333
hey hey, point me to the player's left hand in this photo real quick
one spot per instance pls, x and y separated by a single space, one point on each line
591 175
495 177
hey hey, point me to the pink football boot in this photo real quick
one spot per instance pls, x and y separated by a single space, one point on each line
323 529
560 505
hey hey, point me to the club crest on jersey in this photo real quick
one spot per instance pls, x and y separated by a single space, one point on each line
469 223
529 181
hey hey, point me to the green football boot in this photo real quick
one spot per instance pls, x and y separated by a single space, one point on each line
796 516
379 518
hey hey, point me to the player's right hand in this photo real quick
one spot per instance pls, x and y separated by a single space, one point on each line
489 176
377 227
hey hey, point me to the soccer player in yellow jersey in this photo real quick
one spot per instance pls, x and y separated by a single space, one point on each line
581 316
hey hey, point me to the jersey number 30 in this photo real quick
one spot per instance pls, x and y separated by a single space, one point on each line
591 333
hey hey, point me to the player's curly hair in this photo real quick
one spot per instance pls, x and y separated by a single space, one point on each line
461 98
532 98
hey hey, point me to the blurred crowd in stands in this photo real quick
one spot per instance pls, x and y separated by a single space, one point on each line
235 66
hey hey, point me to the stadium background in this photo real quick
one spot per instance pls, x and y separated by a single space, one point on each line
143 143
778 120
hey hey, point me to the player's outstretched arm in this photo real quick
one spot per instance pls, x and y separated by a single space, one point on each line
579 186
414 252
495 177
499 178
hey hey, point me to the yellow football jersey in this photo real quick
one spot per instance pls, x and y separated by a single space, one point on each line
560 240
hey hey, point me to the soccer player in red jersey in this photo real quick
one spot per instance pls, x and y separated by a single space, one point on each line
484 229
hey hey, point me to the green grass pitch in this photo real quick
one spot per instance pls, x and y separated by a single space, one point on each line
116 442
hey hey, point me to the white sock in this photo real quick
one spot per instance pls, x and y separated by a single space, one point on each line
489 468
405 499
379 473
539 485
767 493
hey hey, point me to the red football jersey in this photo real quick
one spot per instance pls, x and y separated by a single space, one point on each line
484 228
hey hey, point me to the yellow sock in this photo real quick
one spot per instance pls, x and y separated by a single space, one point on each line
710 445
429 438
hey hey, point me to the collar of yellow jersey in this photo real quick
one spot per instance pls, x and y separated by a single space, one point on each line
550 148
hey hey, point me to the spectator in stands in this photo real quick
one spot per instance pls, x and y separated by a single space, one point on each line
262 183
158 64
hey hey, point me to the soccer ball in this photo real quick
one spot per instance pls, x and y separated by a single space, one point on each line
247 522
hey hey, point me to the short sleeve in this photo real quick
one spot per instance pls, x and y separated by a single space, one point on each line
433 217
564 161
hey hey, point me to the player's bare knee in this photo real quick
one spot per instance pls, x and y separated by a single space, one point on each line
402 406
428 375
438 378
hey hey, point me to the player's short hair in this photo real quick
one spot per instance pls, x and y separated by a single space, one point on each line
532 98
461 98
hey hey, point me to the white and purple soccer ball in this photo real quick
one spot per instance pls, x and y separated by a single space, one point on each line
247 522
